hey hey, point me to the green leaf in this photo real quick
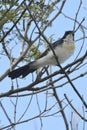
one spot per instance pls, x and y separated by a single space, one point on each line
35 52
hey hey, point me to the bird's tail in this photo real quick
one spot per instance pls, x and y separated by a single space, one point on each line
22 71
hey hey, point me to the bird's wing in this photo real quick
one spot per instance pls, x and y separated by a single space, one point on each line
44 53
57 43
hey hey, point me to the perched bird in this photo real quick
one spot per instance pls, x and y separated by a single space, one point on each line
63 48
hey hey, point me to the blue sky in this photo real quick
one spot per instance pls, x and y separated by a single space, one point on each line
59 26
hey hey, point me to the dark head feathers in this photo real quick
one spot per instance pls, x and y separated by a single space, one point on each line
68 32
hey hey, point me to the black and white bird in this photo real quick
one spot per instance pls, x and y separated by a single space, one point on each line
63 48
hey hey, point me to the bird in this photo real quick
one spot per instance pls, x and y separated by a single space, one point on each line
63 48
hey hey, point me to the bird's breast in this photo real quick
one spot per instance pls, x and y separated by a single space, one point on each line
69 46
64 52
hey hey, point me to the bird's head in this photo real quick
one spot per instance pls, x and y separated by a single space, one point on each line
69 35
68 40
